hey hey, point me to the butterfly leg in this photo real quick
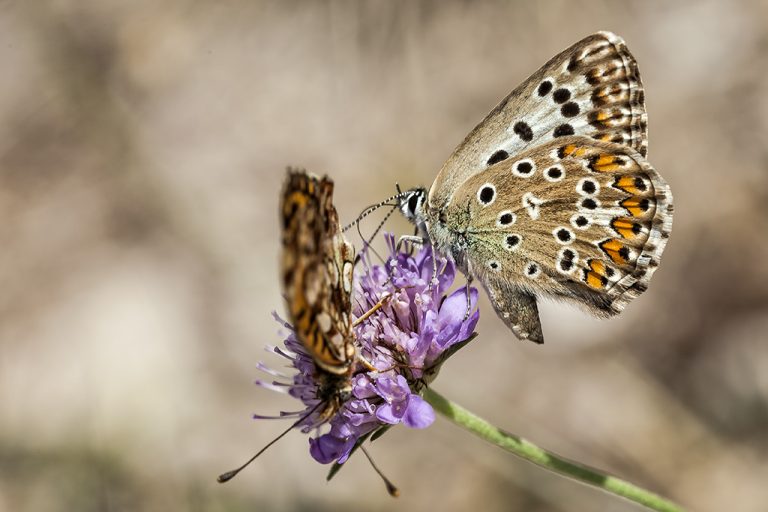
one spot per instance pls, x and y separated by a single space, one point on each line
413 239
469 297
419 241
362 318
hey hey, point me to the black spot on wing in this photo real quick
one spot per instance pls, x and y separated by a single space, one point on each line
486 195
563 130
523 130
561 95
498 156
570 109
544 88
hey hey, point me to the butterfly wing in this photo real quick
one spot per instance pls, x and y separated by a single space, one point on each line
592 88
516 307
575 218
317 264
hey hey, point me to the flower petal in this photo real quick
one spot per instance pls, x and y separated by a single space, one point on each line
327 448
419 413
391 413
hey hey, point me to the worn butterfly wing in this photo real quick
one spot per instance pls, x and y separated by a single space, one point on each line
575 218
317 264
592 88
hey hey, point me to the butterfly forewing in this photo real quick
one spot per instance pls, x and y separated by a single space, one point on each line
592 88
317 263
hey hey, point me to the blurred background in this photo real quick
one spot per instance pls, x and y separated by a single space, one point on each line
142 150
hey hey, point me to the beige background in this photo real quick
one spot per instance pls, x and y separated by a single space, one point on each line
142 148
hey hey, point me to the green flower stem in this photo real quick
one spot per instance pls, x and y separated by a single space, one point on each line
544 458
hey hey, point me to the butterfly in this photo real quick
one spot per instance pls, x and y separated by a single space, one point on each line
317 265
551 194
316 268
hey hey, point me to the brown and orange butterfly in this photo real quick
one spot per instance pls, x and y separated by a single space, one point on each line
316 268
317 265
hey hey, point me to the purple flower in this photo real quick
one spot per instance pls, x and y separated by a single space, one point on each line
406 340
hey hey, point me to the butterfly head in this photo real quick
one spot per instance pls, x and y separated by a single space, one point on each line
413 205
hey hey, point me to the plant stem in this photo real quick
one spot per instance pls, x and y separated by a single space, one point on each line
546 459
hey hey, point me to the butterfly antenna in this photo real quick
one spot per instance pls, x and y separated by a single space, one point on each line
381 225
391 489
367 243
229 475
372 208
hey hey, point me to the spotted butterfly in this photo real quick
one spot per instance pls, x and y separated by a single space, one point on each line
551 194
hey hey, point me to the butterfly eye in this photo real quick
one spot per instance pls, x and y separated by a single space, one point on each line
413 201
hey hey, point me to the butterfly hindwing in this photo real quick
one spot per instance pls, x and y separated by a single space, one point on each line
575 218
592 88
516 307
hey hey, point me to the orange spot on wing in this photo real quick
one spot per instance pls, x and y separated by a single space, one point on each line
594 280
615 250
606 163
597 266
627 184
624 227
572 150
596 274
632 205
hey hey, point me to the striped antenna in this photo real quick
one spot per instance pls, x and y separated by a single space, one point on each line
372 208
378 228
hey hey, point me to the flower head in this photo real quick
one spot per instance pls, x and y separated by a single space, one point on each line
414 327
